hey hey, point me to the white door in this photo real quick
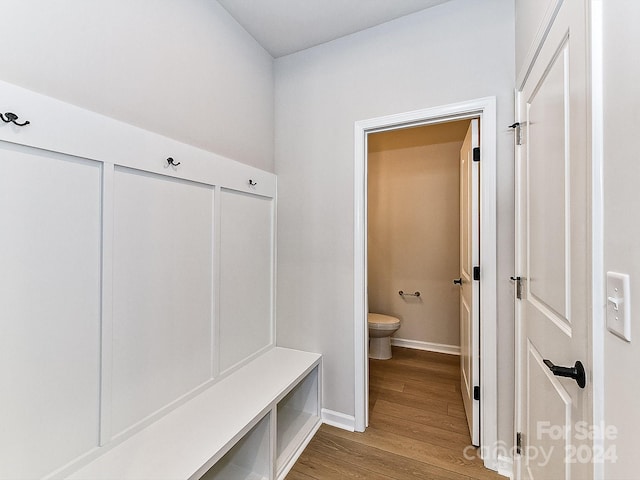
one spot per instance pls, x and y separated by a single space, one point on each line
469 281
553 249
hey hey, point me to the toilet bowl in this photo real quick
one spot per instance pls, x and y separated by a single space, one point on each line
381 327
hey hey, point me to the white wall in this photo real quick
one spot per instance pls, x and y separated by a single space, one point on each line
183 69
530 15
622 228
414 230
458 51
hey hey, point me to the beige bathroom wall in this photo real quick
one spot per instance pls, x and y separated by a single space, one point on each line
414 229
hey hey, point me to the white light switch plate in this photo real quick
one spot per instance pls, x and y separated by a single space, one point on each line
618 305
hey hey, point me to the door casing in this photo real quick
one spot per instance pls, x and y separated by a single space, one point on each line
485 109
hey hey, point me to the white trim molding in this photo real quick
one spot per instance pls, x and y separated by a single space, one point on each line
505 466
338 419
485 109
597 229
426 346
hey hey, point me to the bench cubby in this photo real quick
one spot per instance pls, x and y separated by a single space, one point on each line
297 416
249 459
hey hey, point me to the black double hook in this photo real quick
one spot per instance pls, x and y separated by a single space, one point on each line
171 161
10 117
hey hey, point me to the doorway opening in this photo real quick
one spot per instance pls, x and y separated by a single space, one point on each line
422 247
484 110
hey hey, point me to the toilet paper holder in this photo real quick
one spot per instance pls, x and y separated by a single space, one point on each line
405 294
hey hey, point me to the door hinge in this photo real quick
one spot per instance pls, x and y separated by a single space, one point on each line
518 129
476 393
518 281
519 443
476 154
476 273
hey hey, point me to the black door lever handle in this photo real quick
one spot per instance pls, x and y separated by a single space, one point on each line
458 281
576 372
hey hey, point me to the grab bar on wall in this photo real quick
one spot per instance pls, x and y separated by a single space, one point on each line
403 294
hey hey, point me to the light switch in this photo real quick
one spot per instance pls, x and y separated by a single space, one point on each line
618 305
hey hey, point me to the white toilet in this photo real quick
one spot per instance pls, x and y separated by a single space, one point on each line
381 327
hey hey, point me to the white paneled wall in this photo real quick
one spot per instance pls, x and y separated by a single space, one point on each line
127 285
49 309
246 275
162 292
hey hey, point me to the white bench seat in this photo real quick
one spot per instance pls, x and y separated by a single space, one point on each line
186 442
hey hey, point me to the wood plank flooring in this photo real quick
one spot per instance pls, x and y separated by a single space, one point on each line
417 427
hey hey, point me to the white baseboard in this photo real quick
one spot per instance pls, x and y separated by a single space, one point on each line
505 466
340 420
428 346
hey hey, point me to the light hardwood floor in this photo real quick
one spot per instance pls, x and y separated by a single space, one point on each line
417 427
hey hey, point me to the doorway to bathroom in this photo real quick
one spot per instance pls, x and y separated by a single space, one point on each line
400 269
413 232
422 244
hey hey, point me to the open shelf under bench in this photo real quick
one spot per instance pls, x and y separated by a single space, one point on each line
236 416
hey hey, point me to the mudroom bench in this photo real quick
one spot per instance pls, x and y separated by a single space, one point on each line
251 425
139 315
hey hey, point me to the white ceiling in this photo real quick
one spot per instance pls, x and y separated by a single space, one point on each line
286 26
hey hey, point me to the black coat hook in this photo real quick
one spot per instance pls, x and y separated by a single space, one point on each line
10 117
252 183
170 161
